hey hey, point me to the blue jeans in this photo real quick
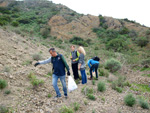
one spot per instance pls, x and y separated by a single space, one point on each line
63 82
83 75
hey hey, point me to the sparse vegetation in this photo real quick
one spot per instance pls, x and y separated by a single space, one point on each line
91 97
34 81
7 92
6 69
4 109
49 95
65 109
37 57
103 72
76 106
93 82
85 102
140 87
31 19
142 41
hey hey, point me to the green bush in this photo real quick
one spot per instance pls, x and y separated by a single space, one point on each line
93 82
4 19
144 104
4 109
117 45
142 41
124 30
7 92
121 81
96 48
7 69
145 62
37 57
88 41
101 86
114 85
15 23
76 106
66 109
36 82
129 100
91 97
5 10
119 89
49 95
45 32
78 41
103 72
3 84
112 65
132 34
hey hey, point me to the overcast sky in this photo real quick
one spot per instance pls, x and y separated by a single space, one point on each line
136 10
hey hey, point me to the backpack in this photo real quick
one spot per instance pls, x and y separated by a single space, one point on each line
96 58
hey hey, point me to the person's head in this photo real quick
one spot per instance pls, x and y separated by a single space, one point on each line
72 48
53 52
81 50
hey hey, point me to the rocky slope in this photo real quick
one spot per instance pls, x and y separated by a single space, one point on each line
15 51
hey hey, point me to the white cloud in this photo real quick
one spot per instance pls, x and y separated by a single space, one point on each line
137 10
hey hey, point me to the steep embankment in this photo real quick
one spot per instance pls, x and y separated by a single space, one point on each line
79 27
16 64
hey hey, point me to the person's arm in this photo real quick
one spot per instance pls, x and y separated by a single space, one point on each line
70 55
45 61
65 63
78 54
79 66
89 64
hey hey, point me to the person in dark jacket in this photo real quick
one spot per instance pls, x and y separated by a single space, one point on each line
93 65
74 55
59 64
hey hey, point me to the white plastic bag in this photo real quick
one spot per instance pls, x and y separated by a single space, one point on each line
71 84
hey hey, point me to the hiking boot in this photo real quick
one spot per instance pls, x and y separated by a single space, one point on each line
56 97
90 78
66 97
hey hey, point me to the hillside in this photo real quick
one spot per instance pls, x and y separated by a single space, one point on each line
16 64
29 28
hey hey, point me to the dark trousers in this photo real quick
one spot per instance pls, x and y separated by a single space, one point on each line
75 71
94 67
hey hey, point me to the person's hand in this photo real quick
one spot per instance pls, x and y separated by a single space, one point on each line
78 68
74 60
36 64
68 73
